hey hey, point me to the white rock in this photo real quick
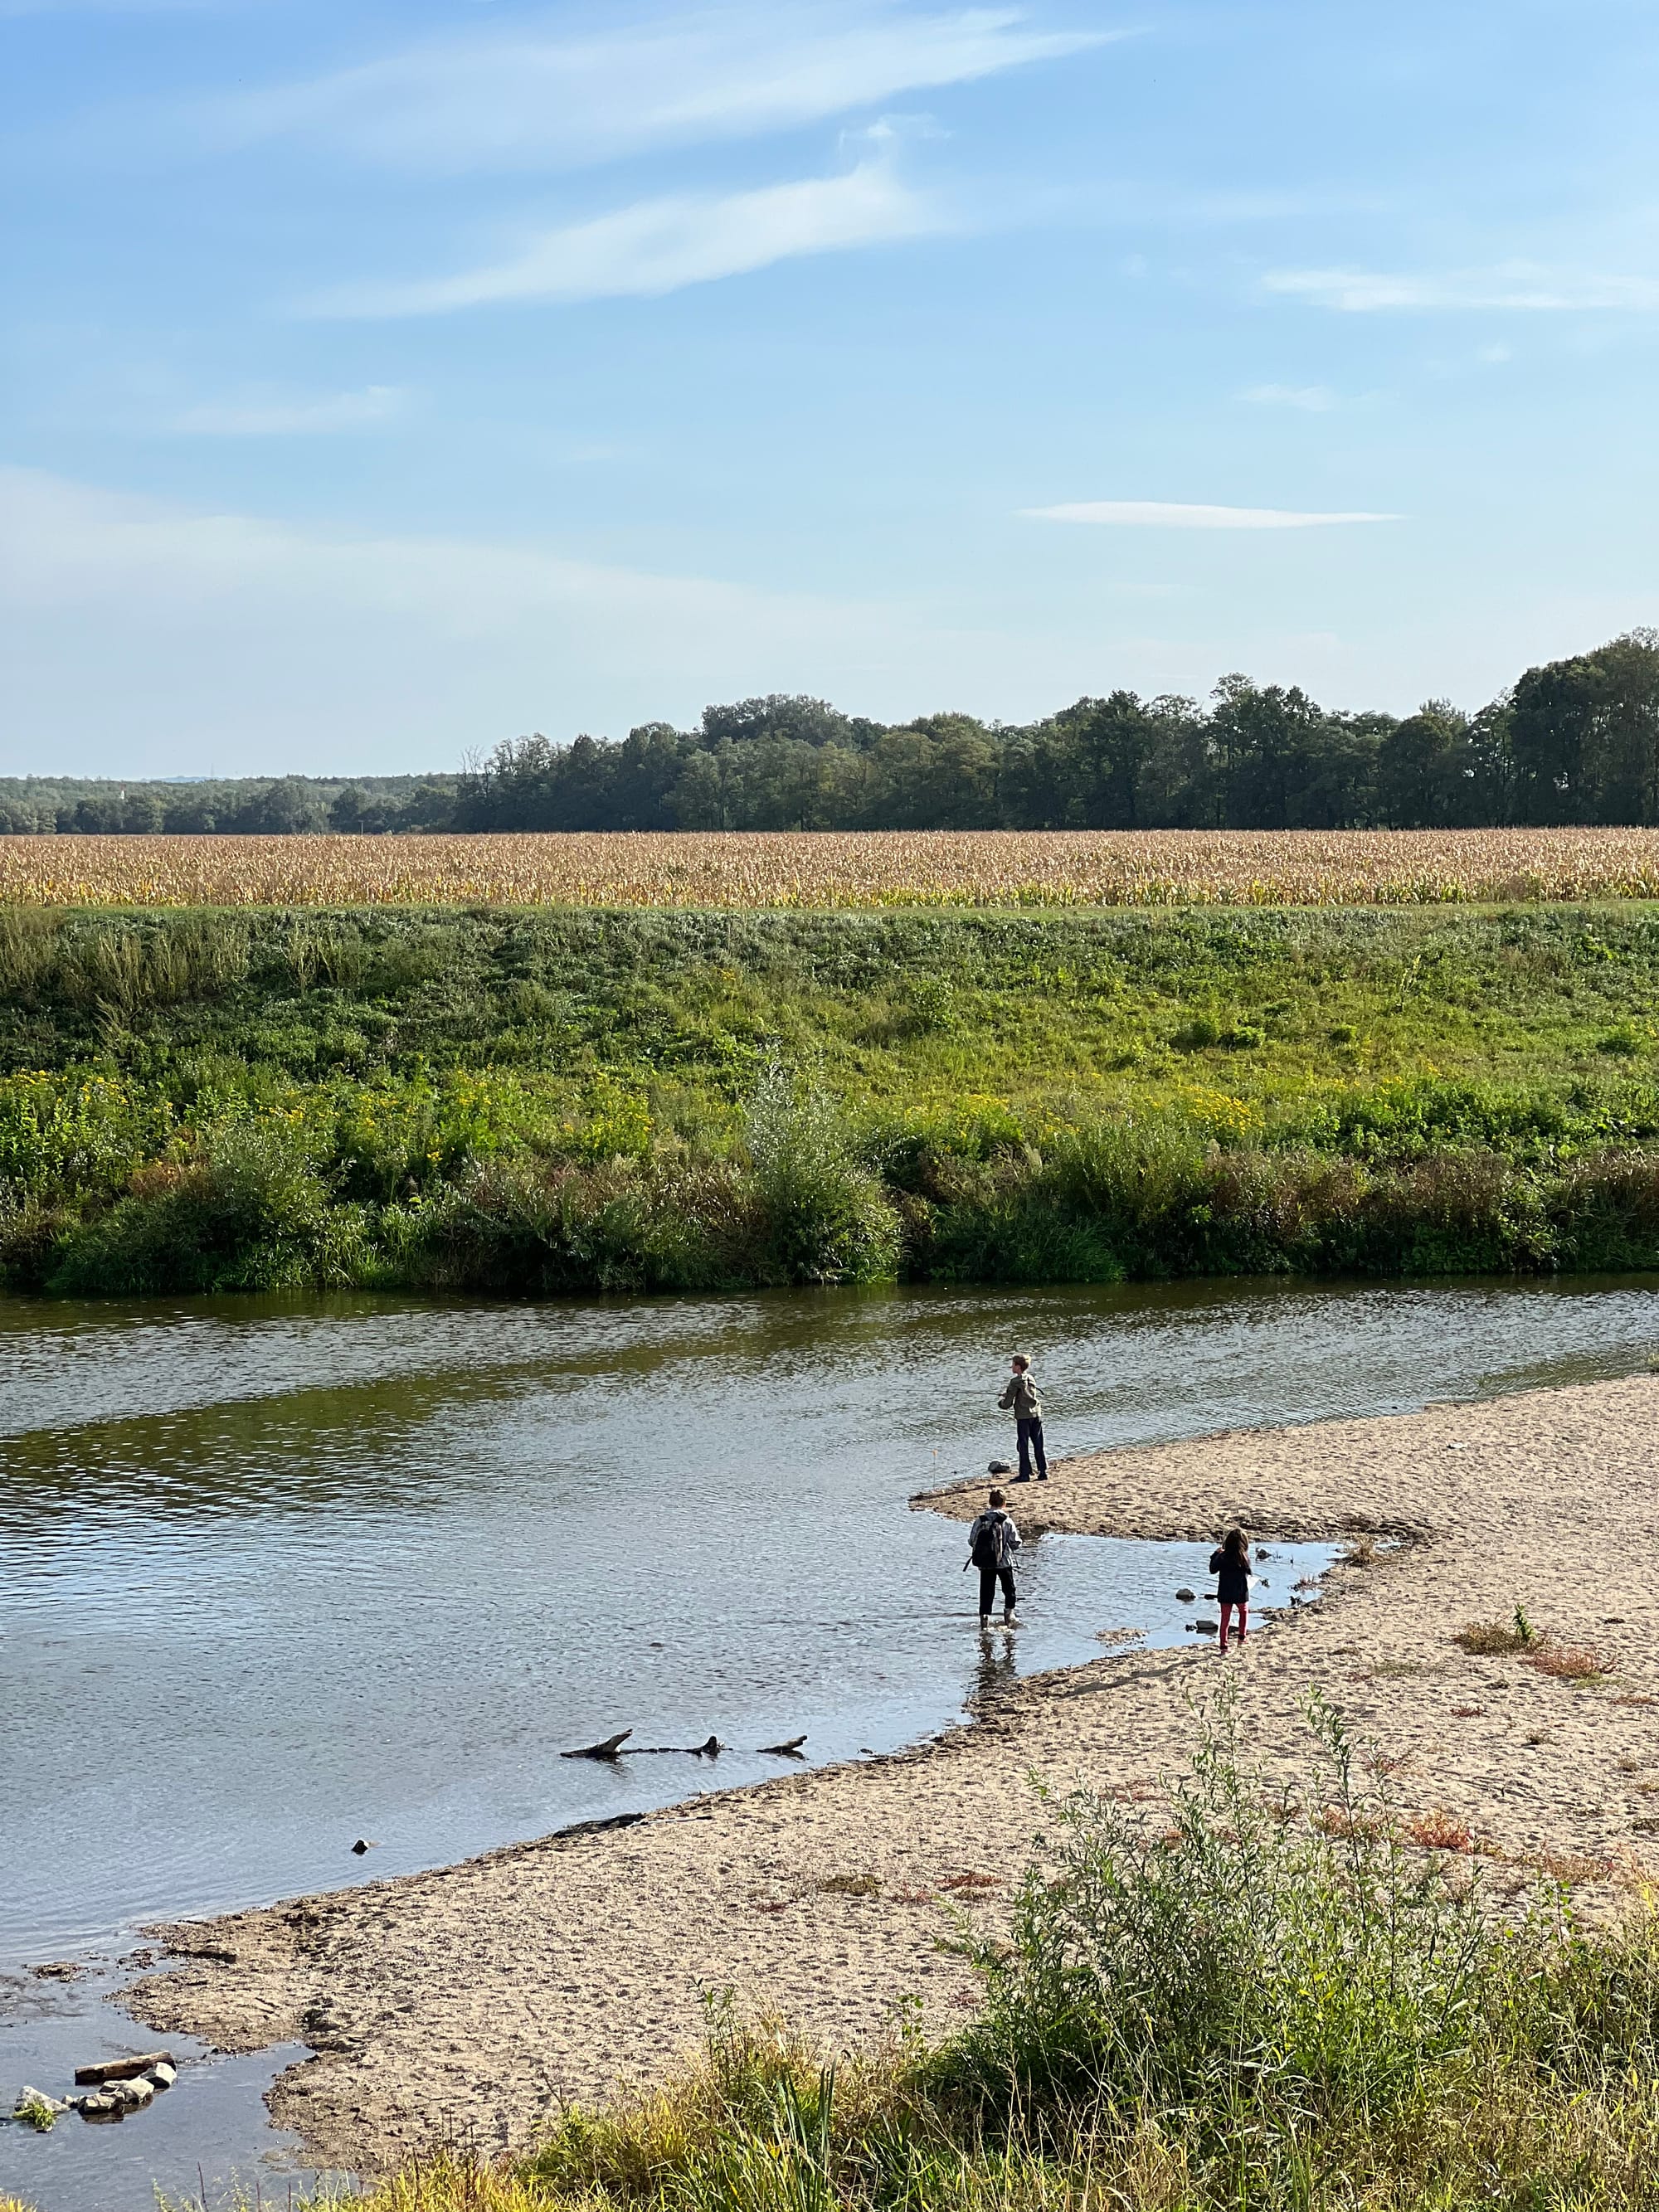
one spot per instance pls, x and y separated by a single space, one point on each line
163 2075
27 2095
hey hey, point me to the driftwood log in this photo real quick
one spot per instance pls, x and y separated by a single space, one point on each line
618 1747
120 2069
611 1748
790 1750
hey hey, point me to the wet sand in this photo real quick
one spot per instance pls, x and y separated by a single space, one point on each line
473 2000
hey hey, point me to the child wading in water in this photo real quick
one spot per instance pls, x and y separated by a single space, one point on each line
992 1543
1021 1400
1230 1565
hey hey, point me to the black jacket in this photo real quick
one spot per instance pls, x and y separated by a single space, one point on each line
1232 1576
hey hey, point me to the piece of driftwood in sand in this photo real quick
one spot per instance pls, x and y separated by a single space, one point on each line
611 1748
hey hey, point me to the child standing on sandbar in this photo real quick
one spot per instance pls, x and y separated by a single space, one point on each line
1021 1400
1230 1565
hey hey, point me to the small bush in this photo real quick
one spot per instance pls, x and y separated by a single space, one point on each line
524 1226
1439 1831
248 1212
1490 1639
1606 1207
1201 1034
1564 1662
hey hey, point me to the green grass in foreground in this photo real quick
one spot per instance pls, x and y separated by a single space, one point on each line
569 1101
1247 2001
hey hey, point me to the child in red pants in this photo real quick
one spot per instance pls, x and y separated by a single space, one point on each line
1230 1565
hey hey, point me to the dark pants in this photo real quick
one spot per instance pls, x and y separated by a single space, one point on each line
988 1579
1030 1441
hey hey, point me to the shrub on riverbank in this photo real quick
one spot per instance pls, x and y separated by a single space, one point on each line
1249 1998
533 1103
248 1208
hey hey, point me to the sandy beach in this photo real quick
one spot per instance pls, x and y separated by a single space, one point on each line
471 2000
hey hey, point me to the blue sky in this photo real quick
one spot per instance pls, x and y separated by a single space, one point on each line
384 382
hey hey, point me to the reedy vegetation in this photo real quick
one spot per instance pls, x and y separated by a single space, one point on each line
555 1101
1249 1999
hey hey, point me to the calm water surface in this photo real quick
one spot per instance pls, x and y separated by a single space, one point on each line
277 1574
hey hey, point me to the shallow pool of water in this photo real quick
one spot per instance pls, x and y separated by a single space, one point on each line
277 1574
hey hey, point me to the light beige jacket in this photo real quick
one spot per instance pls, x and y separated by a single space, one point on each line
1021 1398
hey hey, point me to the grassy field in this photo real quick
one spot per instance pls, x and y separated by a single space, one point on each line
1248 1999
562 1099
831 869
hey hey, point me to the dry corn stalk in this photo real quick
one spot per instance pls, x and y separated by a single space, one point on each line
837 868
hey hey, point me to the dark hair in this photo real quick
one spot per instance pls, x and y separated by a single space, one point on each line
1236 1545
995 1498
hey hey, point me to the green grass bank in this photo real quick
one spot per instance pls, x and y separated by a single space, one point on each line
548 1101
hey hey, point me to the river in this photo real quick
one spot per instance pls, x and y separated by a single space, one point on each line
279 1575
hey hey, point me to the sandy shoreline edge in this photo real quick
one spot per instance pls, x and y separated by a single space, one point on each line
472 1999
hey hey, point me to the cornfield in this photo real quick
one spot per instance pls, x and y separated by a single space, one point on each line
875 868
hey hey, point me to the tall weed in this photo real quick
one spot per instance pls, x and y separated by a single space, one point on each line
824 1217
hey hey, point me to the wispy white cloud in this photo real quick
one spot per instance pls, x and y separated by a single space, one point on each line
1169 515
1521 286
541 98
289 418
145 615
660 246
1309 399
63 543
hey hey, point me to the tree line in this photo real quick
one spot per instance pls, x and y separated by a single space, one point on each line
1572 741
260 806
